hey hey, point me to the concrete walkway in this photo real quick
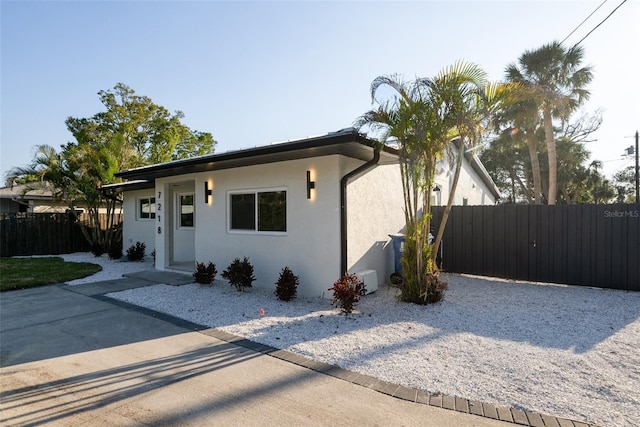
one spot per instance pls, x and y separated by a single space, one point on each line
70 356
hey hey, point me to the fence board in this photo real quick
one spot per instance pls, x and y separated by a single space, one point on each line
42 233
633 264
580 244
487 237
617 250
499 246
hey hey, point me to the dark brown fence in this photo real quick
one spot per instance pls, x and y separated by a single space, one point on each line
42 234
589 245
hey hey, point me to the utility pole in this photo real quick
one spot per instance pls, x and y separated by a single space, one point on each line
595 164
637 172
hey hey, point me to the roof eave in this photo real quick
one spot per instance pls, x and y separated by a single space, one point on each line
482 172
349 143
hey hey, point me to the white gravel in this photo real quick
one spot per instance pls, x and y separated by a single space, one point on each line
111 269
567 351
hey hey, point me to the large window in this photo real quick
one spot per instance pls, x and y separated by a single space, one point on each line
147 208
185 209
264 211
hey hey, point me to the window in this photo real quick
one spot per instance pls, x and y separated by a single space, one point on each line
147 208
185 209
243 210
272 211
264 211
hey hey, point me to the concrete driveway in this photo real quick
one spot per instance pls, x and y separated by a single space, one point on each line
72 357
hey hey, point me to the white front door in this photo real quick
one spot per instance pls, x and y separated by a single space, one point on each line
184 228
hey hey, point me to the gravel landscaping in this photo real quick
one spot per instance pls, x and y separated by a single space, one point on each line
566 351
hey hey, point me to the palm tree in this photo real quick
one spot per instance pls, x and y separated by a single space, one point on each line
468 101
48 170
414 124
524 119
556 83
75 175
423 118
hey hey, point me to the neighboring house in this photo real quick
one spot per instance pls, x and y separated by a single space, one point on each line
475 185
321 206
20 199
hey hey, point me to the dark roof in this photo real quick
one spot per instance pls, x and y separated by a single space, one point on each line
32 191
477 165
347 142
130 185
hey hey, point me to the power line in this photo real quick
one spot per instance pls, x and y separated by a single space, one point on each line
623 167
585 20
601 22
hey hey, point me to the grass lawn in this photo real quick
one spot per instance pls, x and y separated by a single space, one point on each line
20 273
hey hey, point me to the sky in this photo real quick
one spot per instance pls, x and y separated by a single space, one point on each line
253 73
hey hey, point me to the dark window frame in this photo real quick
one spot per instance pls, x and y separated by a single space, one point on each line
262 211
182 217
151 203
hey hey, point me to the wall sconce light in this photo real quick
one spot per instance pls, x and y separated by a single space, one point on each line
208 192
436 188
310 184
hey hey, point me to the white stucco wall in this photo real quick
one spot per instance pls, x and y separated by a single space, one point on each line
174 244
470 186
135 229
310 246
374 210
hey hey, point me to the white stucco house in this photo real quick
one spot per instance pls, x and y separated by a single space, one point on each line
321 206
23 198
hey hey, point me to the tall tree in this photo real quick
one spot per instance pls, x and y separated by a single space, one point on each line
577 182
507 161
625 181
556 82
146 133
131 132
522 121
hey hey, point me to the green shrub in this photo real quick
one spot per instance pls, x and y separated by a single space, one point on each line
205 273
347 292
115 251
136 252
97 249
287 285
239 274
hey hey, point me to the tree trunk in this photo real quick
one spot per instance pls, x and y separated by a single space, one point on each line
551 150
447 209
535 166
526 190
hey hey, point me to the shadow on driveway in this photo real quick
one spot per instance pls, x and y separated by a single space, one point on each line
52 321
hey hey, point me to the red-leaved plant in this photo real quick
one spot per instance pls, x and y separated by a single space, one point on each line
205 274
287 285
347 292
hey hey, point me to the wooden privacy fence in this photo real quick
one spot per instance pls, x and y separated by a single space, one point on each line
589 245
43 233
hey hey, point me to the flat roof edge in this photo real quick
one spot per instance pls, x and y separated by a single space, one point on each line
305 148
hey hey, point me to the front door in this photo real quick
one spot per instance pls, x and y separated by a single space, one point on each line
184 229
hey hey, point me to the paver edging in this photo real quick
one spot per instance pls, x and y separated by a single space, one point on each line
454 403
